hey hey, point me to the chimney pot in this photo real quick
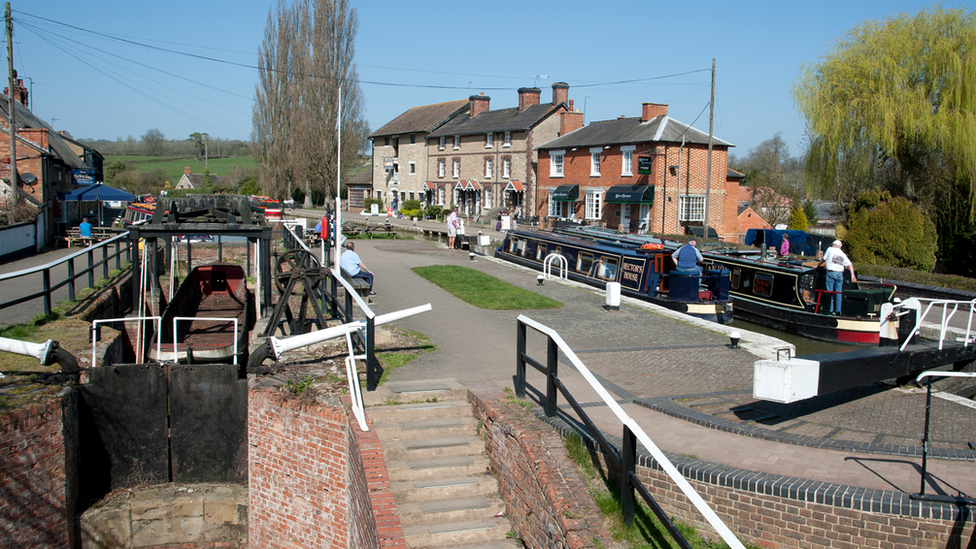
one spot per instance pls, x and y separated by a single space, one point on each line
186 170
478 104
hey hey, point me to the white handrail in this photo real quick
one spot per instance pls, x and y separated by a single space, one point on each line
547 266
912 303
940 373
656 452
175 318
355 391
96 322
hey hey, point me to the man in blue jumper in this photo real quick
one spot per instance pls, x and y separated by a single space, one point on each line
687 258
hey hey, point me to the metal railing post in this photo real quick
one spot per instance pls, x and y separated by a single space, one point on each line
519 359
91 267
925 439
71 281
117 255
46 282
628 466
552 374
372 368
105 262
348 310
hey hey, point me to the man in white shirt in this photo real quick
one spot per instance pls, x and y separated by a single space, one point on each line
452 228
352 264
836 260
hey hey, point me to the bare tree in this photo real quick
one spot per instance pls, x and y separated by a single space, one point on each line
153 141
305 59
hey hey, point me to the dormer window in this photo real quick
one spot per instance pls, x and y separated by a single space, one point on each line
489 140
457 142
442 143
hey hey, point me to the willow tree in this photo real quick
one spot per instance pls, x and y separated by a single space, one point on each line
897 94
306 58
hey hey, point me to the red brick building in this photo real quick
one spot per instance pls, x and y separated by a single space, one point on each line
646 174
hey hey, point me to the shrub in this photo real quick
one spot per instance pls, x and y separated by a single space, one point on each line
432 212
368 203
890 231
409 205
798 219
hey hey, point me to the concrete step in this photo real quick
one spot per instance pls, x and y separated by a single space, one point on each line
459 534
437 468
418 449
379 415
464 426
415 391
449 510
437 489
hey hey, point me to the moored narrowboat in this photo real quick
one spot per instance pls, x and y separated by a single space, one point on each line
644 273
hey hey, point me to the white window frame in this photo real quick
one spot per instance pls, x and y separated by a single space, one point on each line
691 207
508 140
557 160
413 167
489 140
594 205
441 143
457 142
456 168
506 168
489 165
488 197
556 208
440 196
627 160
595 153
441 168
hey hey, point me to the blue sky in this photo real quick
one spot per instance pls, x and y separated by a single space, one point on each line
614 56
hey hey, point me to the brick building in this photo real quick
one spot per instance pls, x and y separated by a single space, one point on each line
646 174
486 159
400 151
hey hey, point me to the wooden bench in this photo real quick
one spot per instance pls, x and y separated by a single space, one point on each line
358 284
387 228
74 235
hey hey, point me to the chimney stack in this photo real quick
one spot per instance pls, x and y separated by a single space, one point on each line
20 92
479 104
560 93
652 110
528 97
570 121
186 170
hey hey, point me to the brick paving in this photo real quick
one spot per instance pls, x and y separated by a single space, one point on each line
692 393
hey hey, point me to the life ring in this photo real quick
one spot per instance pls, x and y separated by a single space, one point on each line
652 246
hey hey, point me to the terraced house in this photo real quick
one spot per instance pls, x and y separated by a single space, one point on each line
483 160
640 174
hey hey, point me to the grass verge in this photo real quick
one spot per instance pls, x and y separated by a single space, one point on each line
400 357
484 291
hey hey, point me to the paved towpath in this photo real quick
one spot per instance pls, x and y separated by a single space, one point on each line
689 391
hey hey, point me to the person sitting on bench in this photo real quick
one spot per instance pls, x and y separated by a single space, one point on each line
352 264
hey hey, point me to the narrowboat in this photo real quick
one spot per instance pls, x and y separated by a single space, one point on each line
138 213
643 272
784 294
206 306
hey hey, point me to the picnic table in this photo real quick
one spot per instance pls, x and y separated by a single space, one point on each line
369 230
97 235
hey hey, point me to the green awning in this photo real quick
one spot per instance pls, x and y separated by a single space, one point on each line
630 194
566 193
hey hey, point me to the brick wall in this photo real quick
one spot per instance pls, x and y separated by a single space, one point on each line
540 484
38 474
304 469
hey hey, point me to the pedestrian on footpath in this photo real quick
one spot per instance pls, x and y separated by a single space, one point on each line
452 228
836 260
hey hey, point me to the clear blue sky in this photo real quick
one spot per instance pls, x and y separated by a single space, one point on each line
94 87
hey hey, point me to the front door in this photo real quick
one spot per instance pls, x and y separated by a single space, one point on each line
645 219
625 217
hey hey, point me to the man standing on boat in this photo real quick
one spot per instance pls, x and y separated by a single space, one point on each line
836 260
352 264
687 258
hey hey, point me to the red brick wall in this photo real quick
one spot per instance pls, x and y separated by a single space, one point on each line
38 474
540 484
306 480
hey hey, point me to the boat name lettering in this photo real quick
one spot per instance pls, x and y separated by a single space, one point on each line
633 272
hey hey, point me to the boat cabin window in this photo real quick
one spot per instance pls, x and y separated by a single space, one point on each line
583 262
607 268
763 285
540 252
736 278
513 245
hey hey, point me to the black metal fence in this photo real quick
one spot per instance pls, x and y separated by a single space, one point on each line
95 260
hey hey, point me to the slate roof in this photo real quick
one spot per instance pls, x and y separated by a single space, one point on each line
422 119
501 120
24 118
662 129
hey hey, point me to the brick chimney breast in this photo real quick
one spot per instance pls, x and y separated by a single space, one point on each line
560 93
570 121
652 110
528 97
479 104
186 170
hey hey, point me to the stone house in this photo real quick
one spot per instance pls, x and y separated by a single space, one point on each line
486 159
400 152
643 174
195 180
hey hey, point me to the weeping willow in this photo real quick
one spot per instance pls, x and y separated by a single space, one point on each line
900 90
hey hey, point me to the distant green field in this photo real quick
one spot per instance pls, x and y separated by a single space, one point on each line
220 167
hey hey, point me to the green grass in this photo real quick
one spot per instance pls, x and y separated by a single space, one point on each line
398 358
173 166
483 291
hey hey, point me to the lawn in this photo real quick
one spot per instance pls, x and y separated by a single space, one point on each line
173 166
483 291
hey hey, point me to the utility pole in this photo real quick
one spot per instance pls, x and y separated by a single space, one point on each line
15 188
708 179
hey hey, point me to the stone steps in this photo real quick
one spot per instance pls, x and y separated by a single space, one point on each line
438 470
